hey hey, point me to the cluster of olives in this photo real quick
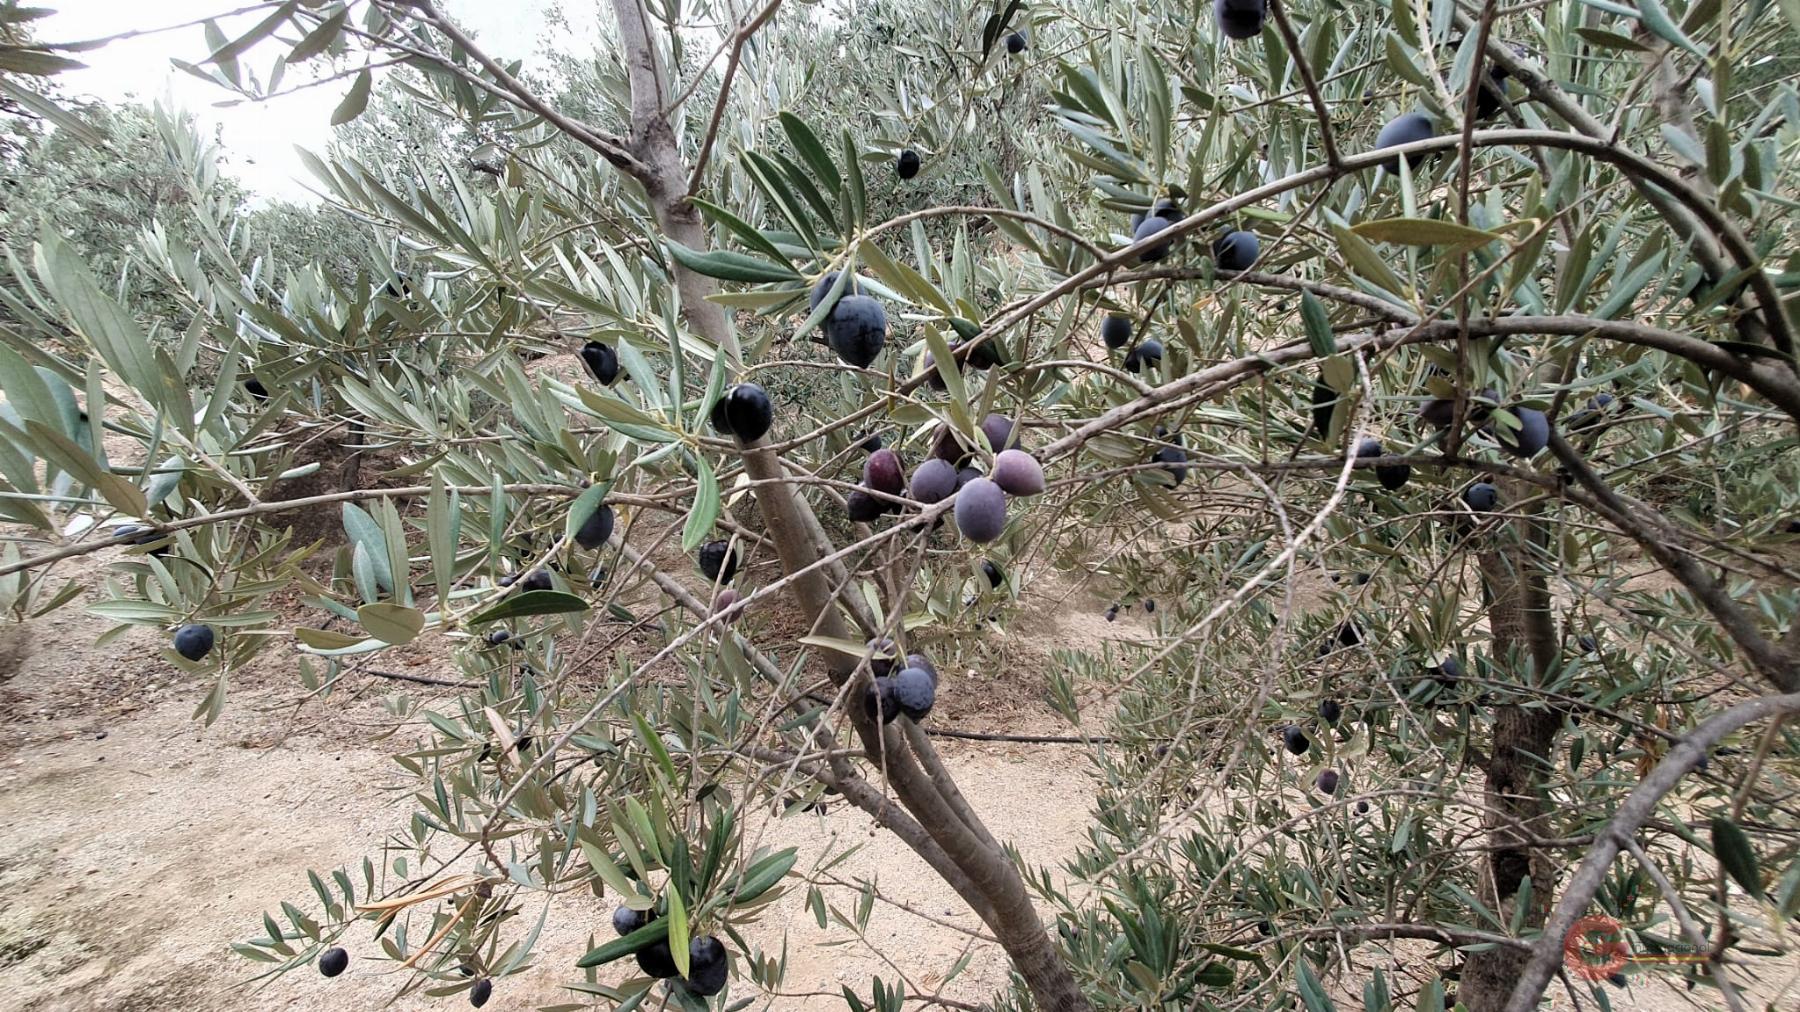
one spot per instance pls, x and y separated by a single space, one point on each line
708 965
1115 331
1528 440
980 509
909 692
1391 476
1294 739
1171 455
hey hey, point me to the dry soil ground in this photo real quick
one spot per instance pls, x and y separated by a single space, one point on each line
135 844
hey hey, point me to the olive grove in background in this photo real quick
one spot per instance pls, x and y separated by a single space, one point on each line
1457 483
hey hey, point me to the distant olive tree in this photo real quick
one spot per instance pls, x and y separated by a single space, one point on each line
1423 374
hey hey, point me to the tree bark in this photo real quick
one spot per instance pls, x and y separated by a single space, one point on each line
1525 644
988 880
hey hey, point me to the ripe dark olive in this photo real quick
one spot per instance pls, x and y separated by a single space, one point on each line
1168 208
1588 644
1236 251
724 602
537 579
879 701
1294 740
882 472
985 355
1391 476
1149 606
1324 403
1438 412
497 637
1481 497
596 529
1349 635
1018 473
718 561
871 444
1591 415
1328 781
657 961
924 664
1015 43
707 967
333 961
981 510
1330 711
1115 330
744 411
1449 671
1147 353
857 329
1362 808
1240 19
1488 102
881 656
934 481
481 992
254 387
863 508
1532 435
928 369
626 920
602 361
994 577
1112 613
1405 129
915 691
822 288
1174 461
1145 229
999 432
194 641
966 475
949 445
907 164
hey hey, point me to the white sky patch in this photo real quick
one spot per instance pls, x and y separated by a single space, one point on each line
259 138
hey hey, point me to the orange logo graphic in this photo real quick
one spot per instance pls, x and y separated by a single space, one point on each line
1595 949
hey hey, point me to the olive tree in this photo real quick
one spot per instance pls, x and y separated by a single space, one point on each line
1423 373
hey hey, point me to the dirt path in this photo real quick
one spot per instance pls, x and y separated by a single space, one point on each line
135 845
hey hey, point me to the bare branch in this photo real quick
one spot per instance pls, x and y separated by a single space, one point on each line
1547 951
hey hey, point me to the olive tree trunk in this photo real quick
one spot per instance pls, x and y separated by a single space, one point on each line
1524 647
983 875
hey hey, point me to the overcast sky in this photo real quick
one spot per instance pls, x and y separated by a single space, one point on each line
259 138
